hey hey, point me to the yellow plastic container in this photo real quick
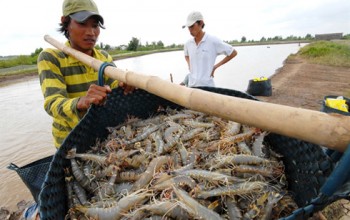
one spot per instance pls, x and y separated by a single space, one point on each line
259 79
337 103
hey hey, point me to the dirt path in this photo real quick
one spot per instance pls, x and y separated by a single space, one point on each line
302 84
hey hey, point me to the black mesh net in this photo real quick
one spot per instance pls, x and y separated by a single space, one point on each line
307 166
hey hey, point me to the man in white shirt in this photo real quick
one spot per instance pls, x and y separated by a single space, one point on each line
201 52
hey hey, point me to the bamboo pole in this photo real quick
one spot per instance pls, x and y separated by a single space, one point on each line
329 130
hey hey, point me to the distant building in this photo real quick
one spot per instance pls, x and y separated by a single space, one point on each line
123 47
332 36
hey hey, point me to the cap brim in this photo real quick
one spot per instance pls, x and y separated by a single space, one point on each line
188 24
81 16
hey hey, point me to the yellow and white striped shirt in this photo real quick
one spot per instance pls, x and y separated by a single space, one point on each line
63 80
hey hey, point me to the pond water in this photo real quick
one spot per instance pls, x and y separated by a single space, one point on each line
251 61
25 128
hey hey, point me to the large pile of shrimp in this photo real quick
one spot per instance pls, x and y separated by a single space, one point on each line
179 165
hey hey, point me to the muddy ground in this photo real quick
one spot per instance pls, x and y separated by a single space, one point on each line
302 84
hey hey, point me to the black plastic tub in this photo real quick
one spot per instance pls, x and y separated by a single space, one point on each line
260 88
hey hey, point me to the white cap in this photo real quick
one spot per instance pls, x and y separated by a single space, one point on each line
192 18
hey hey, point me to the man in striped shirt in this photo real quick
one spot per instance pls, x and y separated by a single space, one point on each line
68 85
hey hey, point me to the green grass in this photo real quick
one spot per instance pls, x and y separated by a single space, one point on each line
128 54
20 60
332 53
25 64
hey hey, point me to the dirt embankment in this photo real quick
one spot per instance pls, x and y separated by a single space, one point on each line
304 85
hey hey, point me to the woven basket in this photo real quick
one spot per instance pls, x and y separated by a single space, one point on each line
307 166
33 174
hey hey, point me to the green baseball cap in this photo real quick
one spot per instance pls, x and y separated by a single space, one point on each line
80 10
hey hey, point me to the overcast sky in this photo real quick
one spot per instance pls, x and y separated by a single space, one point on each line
24 22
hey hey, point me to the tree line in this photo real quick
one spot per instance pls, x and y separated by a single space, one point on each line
136 45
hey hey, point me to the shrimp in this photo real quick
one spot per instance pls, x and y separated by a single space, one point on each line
128 176
136 160
164 208
148 145
175 181
193 207
286 206
232 128
115 211
237 138
153 120
152 168
193 112
272 199
79 175
191 158
178 116
103 172
128 121
171 143
252 212
159 143
176 159
128 132
122 188
196 124
239 159
168 133
108 187
191 134
186 167
190 165
80 192
264 171
143 135
183 153
72 199
209 135
234 189
244 148
87 170
232 209
209 176
101 160
257 146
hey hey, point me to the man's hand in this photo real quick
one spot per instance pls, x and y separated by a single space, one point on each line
127 88
213 71
95 95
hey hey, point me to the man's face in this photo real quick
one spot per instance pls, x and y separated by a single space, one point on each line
83 36
195 29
